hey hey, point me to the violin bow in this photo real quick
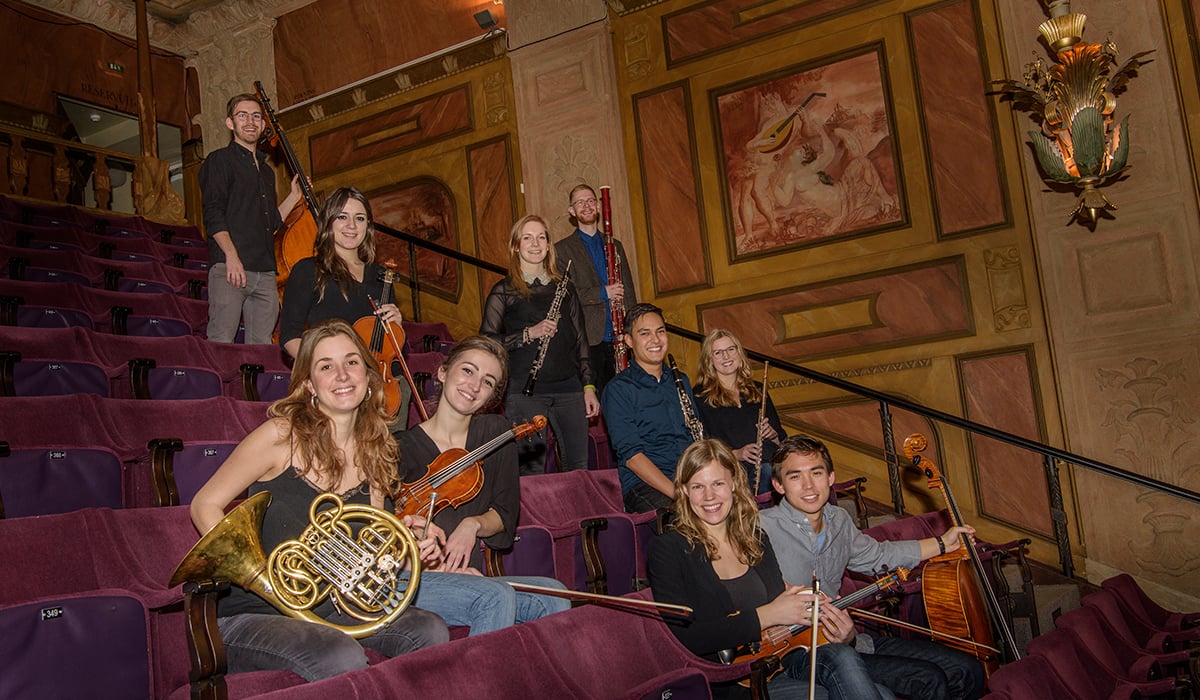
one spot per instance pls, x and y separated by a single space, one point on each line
612 600
812 652
391 336
762 415
867 615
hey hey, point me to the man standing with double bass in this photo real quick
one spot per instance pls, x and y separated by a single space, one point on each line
241 217
598 294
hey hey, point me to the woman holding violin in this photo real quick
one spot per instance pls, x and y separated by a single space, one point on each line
482 503
535 313
718 561
340 280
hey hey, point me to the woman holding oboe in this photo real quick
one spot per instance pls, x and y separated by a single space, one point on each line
535 313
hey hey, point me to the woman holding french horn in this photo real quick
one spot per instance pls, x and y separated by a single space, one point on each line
536 315
328 435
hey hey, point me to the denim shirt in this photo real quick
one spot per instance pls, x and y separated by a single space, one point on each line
643 415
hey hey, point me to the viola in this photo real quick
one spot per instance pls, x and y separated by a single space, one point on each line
386 342
299 235
456 476
959 600
779 640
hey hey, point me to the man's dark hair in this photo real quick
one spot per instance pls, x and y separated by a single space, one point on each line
801 445
639 310
244 97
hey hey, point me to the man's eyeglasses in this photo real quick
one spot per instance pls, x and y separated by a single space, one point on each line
248 116
584 202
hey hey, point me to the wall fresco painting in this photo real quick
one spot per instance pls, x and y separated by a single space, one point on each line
425 209
808 156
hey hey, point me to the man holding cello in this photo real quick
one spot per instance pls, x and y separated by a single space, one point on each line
810 534
241 216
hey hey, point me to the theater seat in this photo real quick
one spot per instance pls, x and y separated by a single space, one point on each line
44 480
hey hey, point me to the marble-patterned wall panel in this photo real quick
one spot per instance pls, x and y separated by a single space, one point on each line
999 391
892 308
670 183
716 25
409 126
856 424
959 124
492 204
1139 414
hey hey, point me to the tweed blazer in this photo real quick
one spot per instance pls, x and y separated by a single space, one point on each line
587 283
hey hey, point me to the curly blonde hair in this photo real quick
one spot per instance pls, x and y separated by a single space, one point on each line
311 431
708 384
742 524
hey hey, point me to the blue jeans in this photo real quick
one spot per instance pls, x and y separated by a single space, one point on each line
841 671
256 305
922 670
485 604
269 641
568 418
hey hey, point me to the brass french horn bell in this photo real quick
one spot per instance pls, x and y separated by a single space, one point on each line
355 555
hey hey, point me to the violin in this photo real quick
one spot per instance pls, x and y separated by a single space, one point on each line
386 342
957 595
779 640
299 236
456 476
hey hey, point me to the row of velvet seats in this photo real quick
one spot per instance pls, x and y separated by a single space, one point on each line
144 276
1119 645
171 250
97 574
109 223
59 304
77 451
79 360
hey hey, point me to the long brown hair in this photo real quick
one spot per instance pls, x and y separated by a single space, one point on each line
742 524
330 266
311 432
517 278
708 384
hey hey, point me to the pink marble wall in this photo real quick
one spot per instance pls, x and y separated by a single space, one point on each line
893 308
674 219
493 204
958 121
999 390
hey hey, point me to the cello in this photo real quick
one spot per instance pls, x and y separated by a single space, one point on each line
299 234
381 339
958 598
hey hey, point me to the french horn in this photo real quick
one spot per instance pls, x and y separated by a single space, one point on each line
362 558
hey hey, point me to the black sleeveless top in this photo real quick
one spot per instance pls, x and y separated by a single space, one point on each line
285 518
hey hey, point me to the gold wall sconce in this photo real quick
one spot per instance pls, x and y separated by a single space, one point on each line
1074 98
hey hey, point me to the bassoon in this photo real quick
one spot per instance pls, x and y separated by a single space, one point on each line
612 261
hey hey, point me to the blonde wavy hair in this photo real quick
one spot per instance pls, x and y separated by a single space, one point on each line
311 431
742 524
708 384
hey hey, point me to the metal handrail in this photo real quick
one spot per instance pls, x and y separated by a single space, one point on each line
1050 455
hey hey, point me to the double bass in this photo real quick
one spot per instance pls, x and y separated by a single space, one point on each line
959 600
299 235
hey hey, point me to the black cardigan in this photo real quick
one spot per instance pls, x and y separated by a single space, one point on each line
684 575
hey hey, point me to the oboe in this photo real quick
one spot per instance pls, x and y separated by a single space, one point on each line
613 264
555 312
694 426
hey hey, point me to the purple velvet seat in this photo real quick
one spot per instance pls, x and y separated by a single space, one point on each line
39 481
680 684
143 286
56 378
176 383
50 275
1080 670
1134 599
93 644
186 469
50 317
426 337
1139 632
1115 652
1033 678
531 555
155 327
51 215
